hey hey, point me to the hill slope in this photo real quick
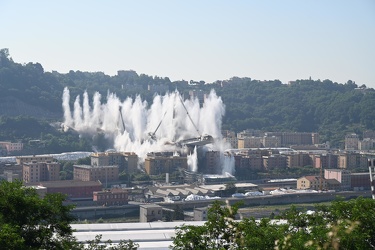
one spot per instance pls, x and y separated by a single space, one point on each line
327 107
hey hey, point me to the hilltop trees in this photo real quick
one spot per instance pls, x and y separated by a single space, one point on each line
327 107
332 109
50 140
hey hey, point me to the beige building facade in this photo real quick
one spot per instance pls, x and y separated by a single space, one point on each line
249 142
312 182
274 161
35 158
34 171
160 163
104 174
351 160
127 161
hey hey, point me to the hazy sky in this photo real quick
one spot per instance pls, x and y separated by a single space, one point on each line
196 40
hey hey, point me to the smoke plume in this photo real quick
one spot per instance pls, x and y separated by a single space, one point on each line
133 125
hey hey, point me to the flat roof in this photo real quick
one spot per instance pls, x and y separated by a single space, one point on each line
364 173
149 235
219 187
33 156
96 167
281 180
149 206
69 183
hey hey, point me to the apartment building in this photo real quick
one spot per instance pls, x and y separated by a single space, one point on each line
341 175
352 160
351 142
30 158
164 162
299 159
113 197
296 138
274 161
271 141
233 141
250 142
127 161
104 174
245 163
228 133
324 160
34 171
360 181
366 144
11 146
250 133
212 162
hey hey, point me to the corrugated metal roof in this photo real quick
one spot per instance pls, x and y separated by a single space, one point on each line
150 235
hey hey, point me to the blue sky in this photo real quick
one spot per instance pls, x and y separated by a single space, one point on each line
196 40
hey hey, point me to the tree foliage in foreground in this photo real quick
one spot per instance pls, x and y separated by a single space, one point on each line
341 225
30 222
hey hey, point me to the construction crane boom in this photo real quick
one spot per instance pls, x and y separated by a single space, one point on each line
189 115
196 141
152 135
122 119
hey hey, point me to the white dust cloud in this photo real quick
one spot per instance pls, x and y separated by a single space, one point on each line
166 118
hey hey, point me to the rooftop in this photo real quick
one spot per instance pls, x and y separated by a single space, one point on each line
150 235
70 183
95 167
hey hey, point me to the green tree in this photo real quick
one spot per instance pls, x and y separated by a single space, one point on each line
28 222
84 161
341 225
98 244
31 222
218 232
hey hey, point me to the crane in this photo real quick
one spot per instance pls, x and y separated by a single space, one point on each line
195 141
122 118
152 134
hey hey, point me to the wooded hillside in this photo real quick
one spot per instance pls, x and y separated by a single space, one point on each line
323 106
